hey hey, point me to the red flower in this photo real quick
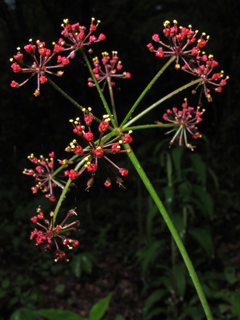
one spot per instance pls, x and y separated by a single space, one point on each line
51 233
39 66
78 37
203 67
111 67
185 121
44 175
96 151
181 43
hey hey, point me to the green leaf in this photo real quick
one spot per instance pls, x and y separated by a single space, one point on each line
151 254
119 317
204 238
99 308
57 314
151 214
23 314
5 283
82 262
154 312
177 157
206 199
154 297
199 167
180 277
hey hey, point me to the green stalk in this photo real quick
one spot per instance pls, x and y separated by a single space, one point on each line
110 89
98 89
150 126
192 83
174 233
64 192
146 90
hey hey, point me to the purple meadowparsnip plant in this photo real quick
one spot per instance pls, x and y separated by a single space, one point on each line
182 46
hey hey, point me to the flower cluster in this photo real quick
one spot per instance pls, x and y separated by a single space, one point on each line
96 151
39 65
111 67
203 67
51 233
179 41
43 175
78 37
185 120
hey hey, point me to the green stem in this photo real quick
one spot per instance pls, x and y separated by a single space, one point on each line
174 233
150 126
112 100
99 89
192 83
64 192
146 90
69 98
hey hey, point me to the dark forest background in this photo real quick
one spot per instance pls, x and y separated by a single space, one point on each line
125 247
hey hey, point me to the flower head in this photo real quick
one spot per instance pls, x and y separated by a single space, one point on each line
185 121
182 43
39 64
96 151
78 37
43 175
50 233
203 67
111 68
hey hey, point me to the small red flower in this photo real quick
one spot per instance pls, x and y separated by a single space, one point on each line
111 68
39 66
51 233
181 43
96 151
44 175
184 121
78 37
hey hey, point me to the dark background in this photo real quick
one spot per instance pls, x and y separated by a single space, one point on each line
113 220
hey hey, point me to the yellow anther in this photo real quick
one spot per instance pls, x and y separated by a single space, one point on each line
107 120
62 25
75 122
77 118
32 155
30 40
70 120
11 59
203 33
76 33
70 248
203 110
55 260
105 116
51 214
120 142
129 150
210 56
190 26
89 109
65 21
83 109
70 241
203 52
83 127
227 77
99 148
180 27
74 141
175 22
53 43
39 160
130 131
118 147
208 96
37 41
99 21
18 48
222 71
85 165
207 37
196 31
93 19
166 23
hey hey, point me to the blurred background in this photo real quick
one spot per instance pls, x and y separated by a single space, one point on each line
125 247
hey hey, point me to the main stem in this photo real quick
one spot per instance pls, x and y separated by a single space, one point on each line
174 233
